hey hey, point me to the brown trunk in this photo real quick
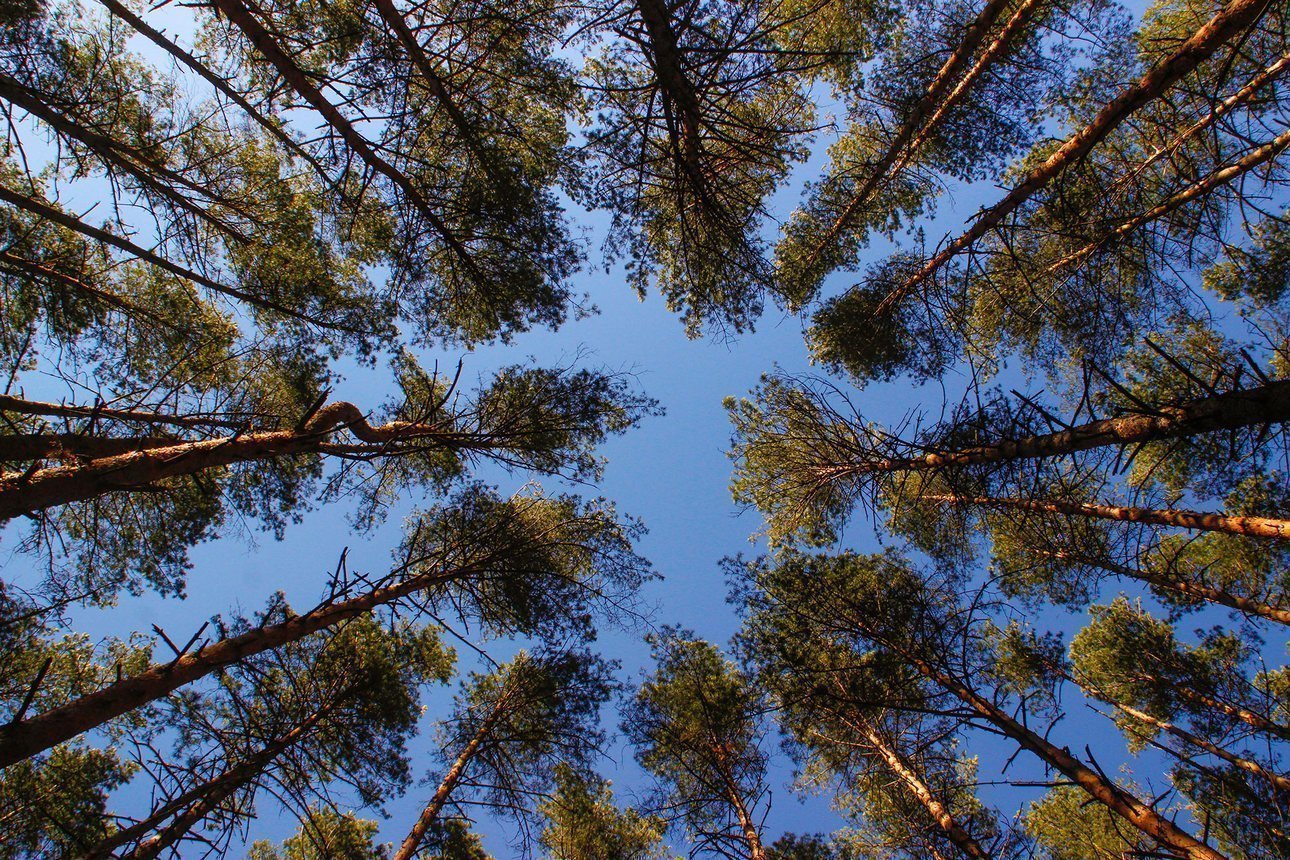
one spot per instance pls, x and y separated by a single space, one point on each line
8 403
71 446
296 78
935 102
431 812
1247 407
62 219
1230 22
939 812
1277 780
1222 176
1179 585
1262 527
24 739
203 798
676 87
1115 798
751 836
27 493
1250 718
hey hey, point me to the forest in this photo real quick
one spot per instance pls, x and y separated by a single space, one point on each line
645 429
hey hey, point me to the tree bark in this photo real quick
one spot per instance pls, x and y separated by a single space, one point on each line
1115 798
755 849
24 739
1246 407
27 493
263 42
446 786
935 101
1260 527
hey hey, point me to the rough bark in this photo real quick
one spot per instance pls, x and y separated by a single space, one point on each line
1261 527
746 825
1246 407
443 793
31 736
28 493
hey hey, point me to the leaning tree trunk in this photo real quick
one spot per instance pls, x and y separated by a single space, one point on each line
1260 527
24 739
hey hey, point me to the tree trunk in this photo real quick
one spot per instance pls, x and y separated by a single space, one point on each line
27 493
296 78
442 794
24 739
1246 407
935 101
1260 527
204 797
1115 798
746 825
1179 585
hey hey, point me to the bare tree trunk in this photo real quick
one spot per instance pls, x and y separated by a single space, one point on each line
1115 798
1246 407
1261 527
446 786
22 493
28 737
746 824
1179 585
940 96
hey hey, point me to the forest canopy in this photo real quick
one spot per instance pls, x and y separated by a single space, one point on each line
1001 291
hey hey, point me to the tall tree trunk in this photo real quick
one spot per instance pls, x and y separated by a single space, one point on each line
1227 24
296 78
915 785
1116 799
221 86
203 798
1260 527
1246 407
444 792
923 118
1178 585
1277 780
27 493
24 739
733 795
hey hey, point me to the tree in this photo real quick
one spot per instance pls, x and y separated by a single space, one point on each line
887 614
510 731
583 823
697 724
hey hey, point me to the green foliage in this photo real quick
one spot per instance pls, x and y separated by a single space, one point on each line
1068 827
326 835
582 823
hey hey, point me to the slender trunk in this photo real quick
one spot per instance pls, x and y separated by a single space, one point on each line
677 88
928 112
1245 715
1229 22
27 493
296 78
203 798
1261 527
1179 585
71 446
1246 407
939 812
221 86
1276 779
62 219
746 824
1255 157
21 740
442 794
1115 798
